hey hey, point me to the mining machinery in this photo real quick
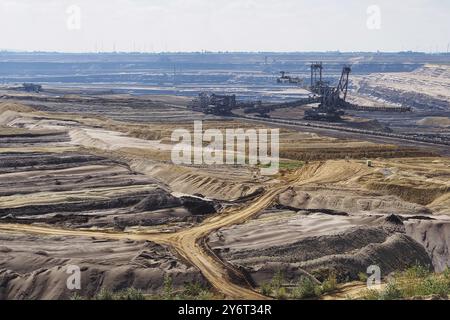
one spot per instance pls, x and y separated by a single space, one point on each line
31 87
264 109
332 99
284 78
317 82
214 103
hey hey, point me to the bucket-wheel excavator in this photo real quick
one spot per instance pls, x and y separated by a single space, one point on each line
332 99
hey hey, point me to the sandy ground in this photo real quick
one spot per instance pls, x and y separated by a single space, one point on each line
336 222
433 80
35 267
82 174
318 244
426 90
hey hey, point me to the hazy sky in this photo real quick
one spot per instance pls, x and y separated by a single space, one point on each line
225 25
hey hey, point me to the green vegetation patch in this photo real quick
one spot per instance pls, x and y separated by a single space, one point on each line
304 288
415 282
191 291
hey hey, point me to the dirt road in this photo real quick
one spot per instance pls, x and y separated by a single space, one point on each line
187 243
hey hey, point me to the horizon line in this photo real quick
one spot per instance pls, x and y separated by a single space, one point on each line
216 52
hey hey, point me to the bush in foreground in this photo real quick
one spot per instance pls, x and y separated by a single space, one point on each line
414 282
191 291
305 288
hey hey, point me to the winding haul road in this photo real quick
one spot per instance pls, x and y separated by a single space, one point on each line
190 243
187 243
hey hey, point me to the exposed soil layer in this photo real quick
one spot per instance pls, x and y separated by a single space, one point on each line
425 90
36 267
435 237
82 190
87 172
334 221
318 244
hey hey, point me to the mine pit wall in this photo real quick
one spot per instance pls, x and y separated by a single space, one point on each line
414 194
415 100
435 238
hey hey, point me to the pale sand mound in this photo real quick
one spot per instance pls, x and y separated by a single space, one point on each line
348 200
112 140
441 204
7 116
353 187
284 228
222 182
17 107
334 171
417 184
435 122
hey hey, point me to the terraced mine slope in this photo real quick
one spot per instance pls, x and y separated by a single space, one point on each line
35 267
345 218
103 194
46 181
426 90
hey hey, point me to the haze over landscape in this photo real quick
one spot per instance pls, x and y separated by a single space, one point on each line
224 25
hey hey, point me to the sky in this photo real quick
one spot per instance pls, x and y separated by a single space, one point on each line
224 25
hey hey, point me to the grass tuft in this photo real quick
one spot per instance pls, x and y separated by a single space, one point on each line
415 282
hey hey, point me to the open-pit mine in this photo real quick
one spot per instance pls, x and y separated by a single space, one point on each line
87 180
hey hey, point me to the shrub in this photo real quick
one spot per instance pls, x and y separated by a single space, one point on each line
416 281
195 291
104 294
434 285
419 281
281 293
370 294
129 294
167 287
330 284
205 295
416 272
76 296
391 292
362 277
277 280
446 274
266 289
305 289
